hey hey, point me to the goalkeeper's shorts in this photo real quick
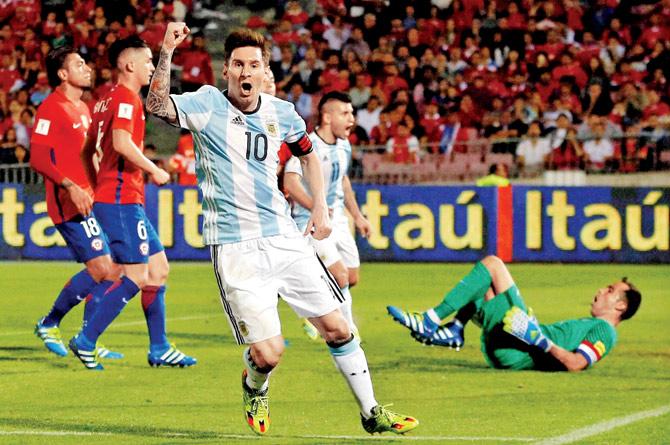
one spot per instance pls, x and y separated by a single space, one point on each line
500 349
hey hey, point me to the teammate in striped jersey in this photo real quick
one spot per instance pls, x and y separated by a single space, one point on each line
56 144
512 338
338 252
116 144
257 250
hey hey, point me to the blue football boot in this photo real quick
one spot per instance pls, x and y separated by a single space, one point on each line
50 335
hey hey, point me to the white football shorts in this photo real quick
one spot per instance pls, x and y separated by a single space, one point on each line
340 245
252 274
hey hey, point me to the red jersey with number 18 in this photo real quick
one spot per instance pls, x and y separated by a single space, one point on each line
119 181
56 144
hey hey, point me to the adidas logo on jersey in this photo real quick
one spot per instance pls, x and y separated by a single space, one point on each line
238 121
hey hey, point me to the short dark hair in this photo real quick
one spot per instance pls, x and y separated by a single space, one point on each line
633 298
245 37
119 46
55 61
332 95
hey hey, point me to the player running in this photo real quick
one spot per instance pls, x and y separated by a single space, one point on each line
116 144
338 252
256 247
55 145
512 338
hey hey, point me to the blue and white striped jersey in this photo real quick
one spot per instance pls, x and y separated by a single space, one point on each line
335 160
236 163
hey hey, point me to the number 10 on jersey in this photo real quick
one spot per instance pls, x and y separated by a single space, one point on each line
257 146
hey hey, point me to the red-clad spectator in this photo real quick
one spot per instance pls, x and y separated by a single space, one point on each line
154 30
462 18
479 92
570 68
434 25
10 78
7 9
49 25
468 112
403 147
196 65
569 155
574 13
433 125
589 49
391 80
83 10
295 14
8 41
105 83
546 86
183 161
626 74
617 30
333 6
455 137
255 22
31 44
515 19
381 133
568 98
129 27
27 16
654 32
554 46
285 34
655 106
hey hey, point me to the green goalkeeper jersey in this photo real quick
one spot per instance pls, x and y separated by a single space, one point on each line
592 337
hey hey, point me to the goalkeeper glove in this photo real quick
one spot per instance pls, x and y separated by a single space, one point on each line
526 328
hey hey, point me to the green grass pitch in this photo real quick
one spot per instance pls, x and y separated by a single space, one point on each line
46 399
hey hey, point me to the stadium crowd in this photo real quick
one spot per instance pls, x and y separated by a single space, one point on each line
558 84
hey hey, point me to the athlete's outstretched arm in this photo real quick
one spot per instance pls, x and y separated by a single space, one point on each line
158 99
573 361
87 154
42 162
123 144
294 187
362 223
318 220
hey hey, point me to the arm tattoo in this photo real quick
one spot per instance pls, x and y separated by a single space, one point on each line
158 99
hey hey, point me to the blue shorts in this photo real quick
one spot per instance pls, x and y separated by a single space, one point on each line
131 236
84 237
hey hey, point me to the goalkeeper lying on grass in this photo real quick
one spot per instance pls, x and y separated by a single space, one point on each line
511 336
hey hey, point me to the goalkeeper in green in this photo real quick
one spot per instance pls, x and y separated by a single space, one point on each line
511 336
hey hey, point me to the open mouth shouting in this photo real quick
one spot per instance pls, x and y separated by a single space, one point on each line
246 87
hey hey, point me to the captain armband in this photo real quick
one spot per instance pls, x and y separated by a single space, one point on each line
301 147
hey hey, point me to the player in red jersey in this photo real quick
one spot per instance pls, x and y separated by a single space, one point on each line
116 144
56 144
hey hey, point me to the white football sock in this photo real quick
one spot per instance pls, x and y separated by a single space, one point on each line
351 362
255 379
346 308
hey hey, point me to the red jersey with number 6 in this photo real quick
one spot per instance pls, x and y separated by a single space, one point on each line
56 144
119 181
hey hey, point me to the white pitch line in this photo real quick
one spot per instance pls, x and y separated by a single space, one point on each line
128 323
307 436
95 433
423 438
603 427
51 433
